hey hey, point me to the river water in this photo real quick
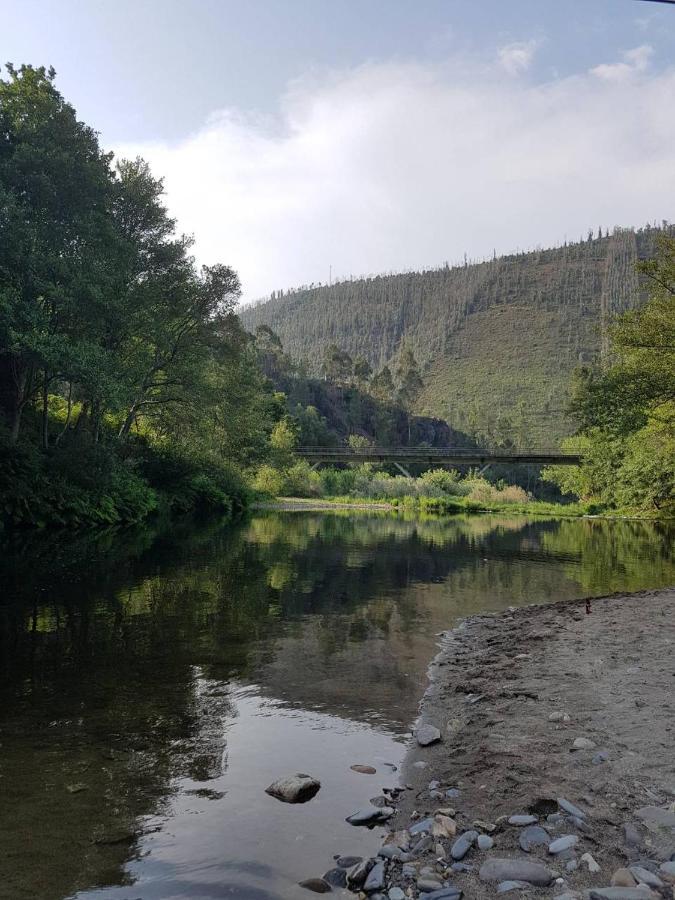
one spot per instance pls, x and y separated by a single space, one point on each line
153 684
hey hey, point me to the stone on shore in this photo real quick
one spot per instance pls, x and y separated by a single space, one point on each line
566 842
505 886
593 867
463 844
655 815
294 789
582 743
363 770
571 808
485 842
336 877
515 870
357 875
370 815
639 892
375 879
348 862
644 876
533 836
318 885
522 820
427 734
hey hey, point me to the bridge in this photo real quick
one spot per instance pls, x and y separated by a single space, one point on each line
436 457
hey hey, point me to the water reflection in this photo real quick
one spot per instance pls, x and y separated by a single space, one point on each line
153 684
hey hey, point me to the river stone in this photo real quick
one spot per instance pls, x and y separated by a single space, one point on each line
522 820
668 869
515 870
600 758
443 826
533 836
370 815
395 893
337 877
363 770
657 816
593 867
505 886
422 825
348 862
623 878
563 843
644 876
357 875
582 743
446 893
389 851
485 842
427 734
375 879
631 835
318 885
639 892
427 885
294 789
571 808
463 844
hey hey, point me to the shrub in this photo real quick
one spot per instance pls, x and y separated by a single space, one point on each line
447 480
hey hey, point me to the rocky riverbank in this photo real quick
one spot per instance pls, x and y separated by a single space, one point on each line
544 762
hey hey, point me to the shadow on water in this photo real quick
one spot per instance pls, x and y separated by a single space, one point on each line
153 683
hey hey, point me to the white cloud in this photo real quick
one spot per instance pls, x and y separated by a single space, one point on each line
388 167
635 61
516 58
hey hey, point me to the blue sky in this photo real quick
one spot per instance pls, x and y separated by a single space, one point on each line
373 135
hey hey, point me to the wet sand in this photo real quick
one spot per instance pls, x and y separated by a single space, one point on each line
510 694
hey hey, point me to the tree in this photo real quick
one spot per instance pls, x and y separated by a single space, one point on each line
337 364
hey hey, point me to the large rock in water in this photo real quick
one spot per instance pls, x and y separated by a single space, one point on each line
515 870
294 789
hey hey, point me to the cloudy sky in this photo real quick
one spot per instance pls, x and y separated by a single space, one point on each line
300 136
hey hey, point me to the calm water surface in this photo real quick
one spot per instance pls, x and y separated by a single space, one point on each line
153 684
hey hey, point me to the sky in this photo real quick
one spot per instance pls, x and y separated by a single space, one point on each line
301 140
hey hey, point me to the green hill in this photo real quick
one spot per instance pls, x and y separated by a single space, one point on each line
497 341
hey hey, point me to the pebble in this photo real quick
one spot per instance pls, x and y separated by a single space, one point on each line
522 820
533 836
571 865
363 770
336 877
375 879
639 892
453 792
644 876
443 826
485 842
395 893
422 825
369 815
631 835
592 865
420 764
505 886
488 827
434 785
408 871
389 851
571 808
600 758
294 789
348 862
318 885
446 893
427 885
427 734
556 716
623 878
563 843
657 816
357 875
462 867
463 844
668 868
582 743
515 870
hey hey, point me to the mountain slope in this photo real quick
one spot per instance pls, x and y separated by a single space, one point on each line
497 340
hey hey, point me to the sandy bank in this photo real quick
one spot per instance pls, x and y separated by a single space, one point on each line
511 694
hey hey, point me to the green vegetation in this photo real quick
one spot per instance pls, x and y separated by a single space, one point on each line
126 380
626 409
496 342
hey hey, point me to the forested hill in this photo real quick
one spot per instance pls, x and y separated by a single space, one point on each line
497 341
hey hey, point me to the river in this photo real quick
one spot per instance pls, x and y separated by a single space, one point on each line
154 683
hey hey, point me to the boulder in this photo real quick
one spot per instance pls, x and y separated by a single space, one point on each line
294 789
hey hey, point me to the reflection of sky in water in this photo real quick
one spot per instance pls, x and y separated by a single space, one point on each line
249 844
165 671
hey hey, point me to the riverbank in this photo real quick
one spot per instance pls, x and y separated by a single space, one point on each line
561 714
452 506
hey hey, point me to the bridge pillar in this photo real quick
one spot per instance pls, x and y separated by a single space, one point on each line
402 470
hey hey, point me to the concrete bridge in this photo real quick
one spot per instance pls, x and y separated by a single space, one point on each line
436 457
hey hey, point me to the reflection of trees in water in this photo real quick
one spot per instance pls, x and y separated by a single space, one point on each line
116 651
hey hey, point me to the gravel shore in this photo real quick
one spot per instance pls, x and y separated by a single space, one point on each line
549 766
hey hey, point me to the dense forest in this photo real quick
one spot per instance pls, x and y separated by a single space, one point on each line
126 379
496 341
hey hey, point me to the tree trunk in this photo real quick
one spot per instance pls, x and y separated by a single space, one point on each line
45 412
68 414
128 422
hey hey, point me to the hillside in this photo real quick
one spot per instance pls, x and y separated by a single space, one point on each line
497 341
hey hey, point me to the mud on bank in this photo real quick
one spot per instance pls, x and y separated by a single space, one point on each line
512 695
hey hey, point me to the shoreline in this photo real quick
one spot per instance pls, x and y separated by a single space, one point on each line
561 713
307 504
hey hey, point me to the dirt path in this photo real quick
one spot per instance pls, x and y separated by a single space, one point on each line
510 694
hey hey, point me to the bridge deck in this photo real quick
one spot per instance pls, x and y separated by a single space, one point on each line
458 456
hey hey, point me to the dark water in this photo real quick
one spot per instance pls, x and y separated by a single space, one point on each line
152 685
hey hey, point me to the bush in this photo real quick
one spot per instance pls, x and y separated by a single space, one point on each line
447 480
269 481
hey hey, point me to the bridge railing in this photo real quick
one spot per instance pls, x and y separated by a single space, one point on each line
439 452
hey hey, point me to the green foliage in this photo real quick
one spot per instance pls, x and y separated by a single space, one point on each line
496 342
117 355
448 480
626 411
